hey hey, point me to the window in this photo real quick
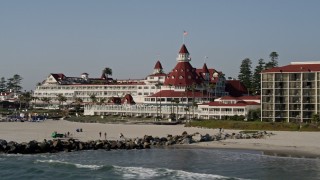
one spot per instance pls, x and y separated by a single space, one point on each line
180 77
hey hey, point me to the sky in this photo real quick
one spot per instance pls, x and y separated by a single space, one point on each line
75 36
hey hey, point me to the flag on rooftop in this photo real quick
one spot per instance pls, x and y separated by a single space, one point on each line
185 33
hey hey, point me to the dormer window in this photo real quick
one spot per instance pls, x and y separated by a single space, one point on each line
188 70
172 77
189 77
176 70
181 70
180 77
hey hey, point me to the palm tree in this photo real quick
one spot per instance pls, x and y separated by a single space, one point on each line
193 88
187 110
78 101
107 71
170 85
158 85
35 100
61 98
27 98
102 100
212 86
46 100
177 102
93 98
21 99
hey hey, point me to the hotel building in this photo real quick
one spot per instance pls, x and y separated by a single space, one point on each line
290 93
175 85
178 92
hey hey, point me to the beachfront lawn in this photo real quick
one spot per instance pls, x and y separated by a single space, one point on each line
243 125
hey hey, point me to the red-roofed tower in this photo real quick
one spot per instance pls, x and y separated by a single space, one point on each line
158 68
183 74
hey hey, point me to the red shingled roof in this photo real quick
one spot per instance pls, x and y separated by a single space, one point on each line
205 68
127 99
183 50
158 65
58 76
294 68
235 88
183 75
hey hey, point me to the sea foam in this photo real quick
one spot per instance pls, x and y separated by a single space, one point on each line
92 167
154 173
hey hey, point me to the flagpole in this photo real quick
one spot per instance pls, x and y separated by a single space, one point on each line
182 38
183 35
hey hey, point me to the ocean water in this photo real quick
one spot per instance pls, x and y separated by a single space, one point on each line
156 164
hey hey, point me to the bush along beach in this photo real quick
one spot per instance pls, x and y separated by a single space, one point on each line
69 145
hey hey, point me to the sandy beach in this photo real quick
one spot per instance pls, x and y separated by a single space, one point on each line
301 144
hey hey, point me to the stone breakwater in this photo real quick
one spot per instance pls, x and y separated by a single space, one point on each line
68 145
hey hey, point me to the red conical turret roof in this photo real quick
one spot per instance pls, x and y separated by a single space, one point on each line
205 68
183 50
158 65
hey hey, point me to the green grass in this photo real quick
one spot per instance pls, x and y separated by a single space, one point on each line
251 126
108 119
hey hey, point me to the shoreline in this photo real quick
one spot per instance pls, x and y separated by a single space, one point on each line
277 151
282 143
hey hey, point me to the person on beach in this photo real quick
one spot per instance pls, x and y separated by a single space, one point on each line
121 135
105 135
100 133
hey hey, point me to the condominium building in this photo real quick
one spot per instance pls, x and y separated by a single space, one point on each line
291 93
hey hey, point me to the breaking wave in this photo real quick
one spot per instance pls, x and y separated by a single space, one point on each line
163 173
92 167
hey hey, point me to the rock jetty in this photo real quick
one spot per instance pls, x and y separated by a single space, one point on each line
69 145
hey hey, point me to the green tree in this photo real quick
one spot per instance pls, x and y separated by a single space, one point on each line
315 118
46 100
10 84
17 82
102 100
27 98
14 83
212 87
245 74
177 103
35 100
61 98
3 86
78 101
256 79
93 99
273 60
107 71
